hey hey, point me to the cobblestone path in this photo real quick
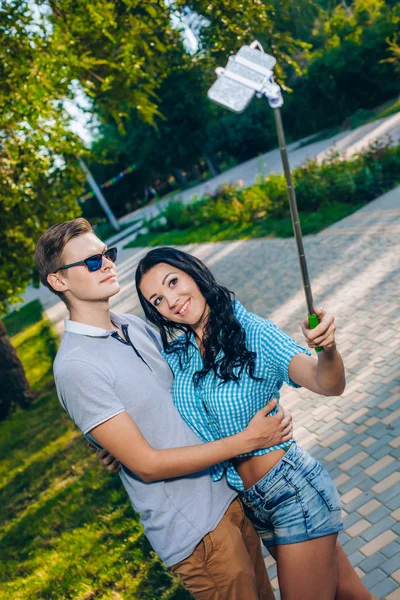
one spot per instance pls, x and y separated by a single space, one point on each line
355 268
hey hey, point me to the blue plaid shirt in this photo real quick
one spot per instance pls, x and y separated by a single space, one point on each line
214 410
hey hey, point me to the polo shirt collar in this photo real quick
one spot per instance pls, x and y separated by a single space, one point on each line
90 330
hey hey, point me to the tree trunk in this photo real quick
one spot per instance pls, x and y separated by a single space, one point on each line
212 163
14 387
179 176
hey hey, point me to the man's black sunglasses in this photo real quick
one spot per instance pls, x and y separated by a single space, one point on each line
94 262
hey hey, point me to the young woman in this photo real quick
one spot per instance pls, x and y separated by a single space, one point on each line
227 364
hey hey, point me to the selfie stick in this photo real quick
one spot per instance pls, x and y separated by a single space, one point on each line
249 73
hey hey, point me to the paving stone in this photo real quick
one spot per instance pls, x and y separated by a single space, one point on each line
378 430
390 401
359 572
359 501
392 549
369 507
341 479
383 451
392 467
379 514
396 528
393 502
383 439
269 561
272 571
365 484
352 545
344 538
389 493
354 480
368 441
356 558
349 520
353 461
383 588
379 465
394 595
378 543
274 583
395 453
333 438
386 483
373 578
368 462
356 415
351 495
396 576
360 429
393 416
374 561
335 453
392 565
378 528
358 528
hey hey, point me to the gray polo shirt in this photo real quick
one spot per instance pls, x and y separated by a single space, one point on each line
98 376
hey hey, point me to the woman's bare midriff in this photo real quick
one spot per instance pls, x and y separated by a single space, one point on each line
253 468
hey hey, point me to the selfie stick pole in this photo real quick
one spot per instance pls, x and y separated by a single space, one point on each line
272 91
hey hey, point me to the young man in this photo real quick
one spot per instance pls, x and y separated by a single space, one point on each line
113 382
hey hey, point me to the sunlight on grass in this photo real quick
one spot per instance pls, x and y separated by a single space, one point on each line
311 223
67 527
37 346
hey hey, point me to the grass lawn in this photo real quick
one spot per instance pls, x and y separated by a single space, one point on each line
310 223
104 230
361 116
67 527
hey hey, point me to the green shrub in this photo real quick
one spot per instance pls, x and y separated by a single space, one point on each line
331 182
177 216
22 317
275 188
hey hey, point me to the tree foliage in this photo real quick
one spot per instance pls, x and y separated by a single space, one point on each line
354 69
119 53
39 178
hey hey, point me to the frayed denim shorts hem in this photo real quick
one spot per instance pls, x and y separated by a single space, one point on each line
294 502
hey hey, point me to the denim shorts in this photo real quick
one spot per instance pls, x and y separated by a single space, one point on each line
295 501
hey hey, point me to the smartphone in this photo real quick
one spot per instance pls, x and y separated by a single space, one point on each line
248 63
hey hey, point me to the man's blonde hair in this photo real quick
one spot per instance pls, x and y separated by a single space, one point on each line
50 247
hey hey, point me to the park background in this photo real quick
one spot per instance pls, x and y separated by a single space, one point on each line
122 86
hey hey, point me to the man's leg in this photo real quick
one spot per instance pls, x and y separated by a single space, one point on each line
228 563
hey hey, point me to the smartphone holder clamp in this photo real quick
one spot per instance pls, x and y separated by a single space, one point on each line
262 81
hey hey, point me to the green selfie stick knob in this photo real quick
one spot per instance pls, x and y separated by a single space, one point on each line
313 322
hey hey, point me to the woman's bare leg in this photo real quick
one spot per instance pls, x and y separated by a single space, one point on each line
349 585
308 570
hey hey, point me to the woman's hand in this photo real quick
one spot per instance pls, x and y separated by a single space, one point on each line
324 334
264 433
325 375
106 460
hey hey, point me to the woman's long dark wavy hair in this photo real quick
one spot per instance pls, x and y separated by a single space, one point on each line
224 338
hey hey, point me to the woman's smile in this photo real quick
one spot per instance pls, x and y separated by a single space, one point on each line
184 308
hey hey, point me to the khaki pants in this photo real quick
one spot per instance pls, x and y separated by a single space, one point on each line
228 563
